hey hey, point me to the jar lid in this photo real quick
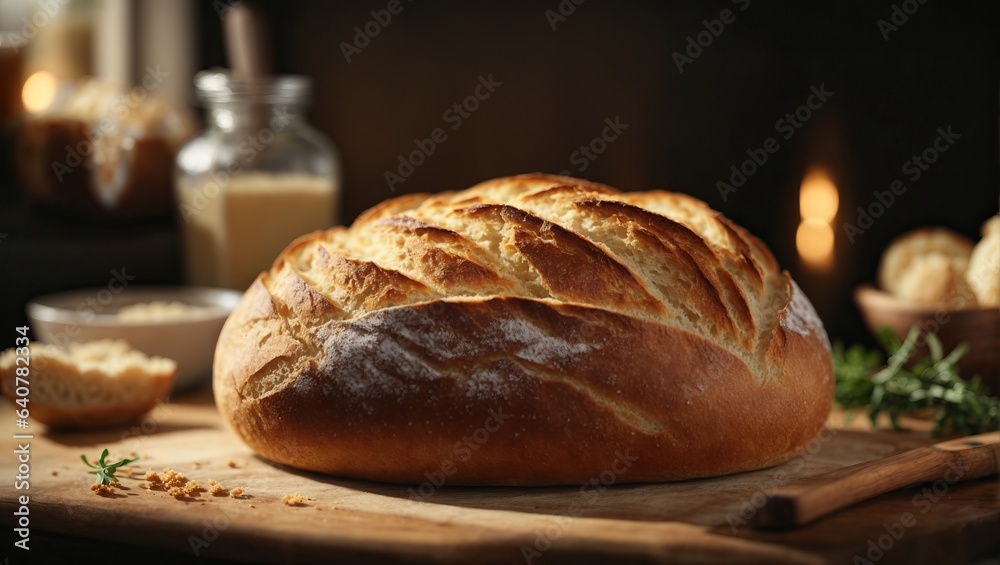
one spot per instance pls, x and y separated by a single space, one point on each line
217 85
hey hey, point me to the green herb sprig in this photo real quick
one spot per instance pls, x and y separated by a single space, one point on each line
106 471
864 380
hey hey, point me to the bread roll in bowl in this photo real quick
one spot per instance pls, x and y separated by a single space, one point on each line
532 330
983 275
928 266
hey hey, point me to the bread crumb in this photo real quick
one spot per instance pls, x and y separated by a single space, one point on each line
292 499
101 490
236 492
216 489
231 464
172 478
252 506
54 473
196 465
175 483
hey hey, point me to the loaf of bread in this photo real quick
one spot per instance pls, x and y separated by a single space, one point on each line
88 385
531 330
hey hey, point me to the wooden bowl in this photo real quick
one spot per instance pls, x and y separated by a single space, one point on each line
979 327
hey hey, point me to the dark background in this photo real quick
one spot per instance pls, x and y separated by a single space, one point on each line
606 60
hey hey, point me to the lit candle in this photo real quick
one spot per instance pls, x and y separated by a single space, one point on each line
39 91
818 202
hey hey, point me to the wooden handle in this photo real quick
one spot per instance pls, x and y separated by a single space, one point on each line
246 43
810 498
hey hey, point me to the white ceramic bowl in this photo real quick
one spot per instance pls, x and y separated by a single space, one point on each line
91 314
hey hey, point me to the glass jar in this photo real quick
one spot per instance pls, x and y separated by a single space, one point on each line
258 177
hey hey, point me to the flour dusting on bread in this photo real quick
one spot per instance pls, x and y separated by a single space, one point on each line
392 352
801 317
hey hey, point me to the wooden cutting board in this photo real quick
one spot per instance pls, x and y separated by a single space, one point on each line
347 521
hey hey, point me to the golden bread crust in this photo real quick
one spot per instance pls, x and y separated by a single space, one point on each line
569 321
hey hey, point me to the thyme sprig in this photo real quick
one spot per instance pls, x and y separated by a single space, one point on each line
865 380
106 471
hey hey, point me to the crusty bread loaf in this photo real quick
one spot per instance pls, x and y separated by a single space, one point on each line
91 384
530 330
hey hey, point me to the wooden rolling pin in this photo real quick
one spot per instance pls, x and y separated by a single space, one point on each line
807 499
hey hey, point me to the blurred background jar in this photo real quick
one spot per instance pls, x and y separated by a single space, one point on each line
258 177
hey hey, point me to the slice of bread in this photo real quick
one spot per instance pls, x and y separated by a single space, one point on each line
92 384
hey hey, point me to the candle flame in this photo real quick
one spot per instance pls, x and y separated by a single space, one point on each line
819 198
814 240
818 203
39 91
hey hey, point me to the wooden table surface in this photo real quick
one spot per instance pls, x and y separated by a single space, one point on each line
350 521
